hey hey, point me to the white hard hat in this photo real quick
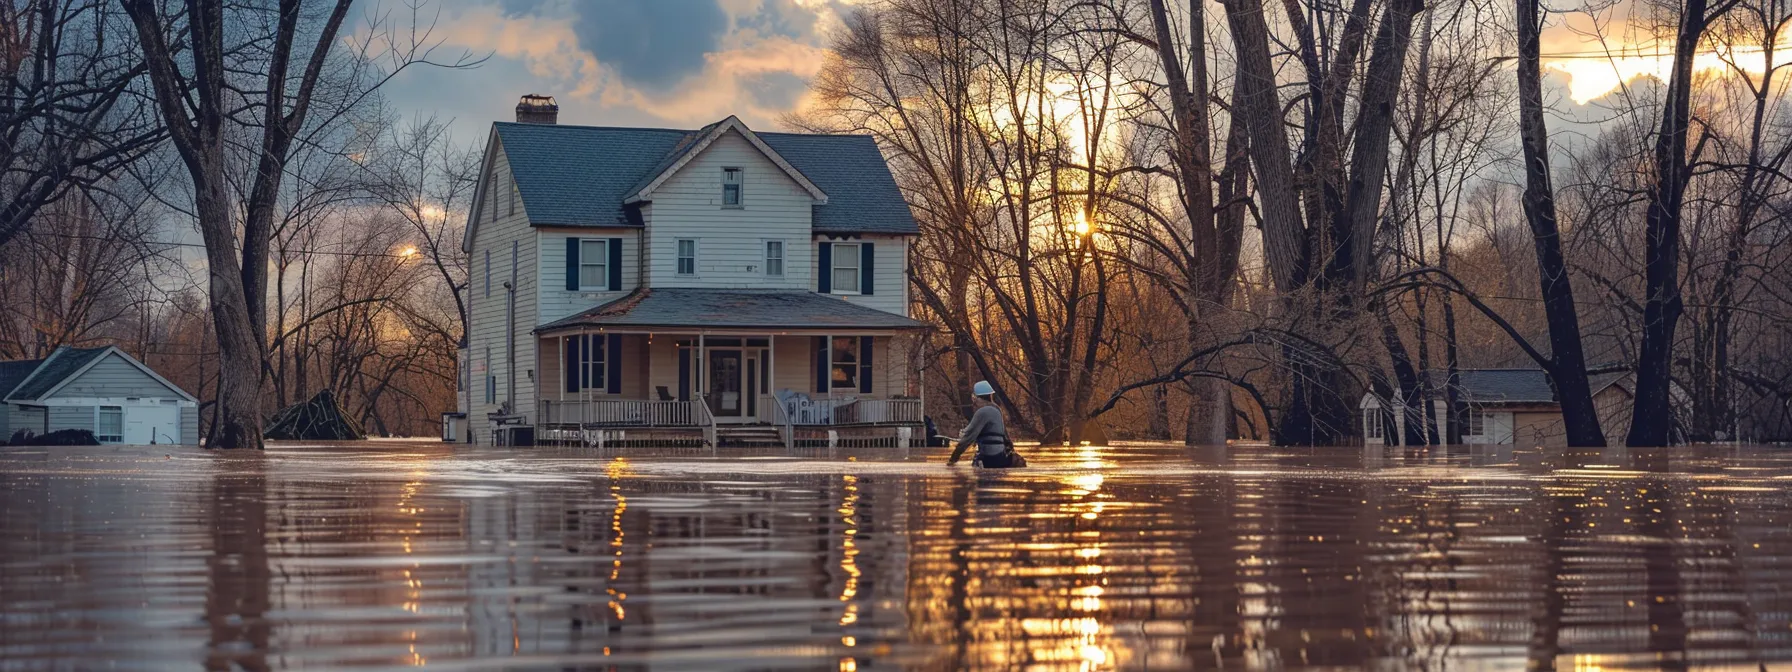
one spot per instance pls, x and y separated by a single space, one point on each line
982 389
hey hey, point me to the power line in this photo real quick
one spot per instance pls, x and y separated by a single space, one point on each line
336 253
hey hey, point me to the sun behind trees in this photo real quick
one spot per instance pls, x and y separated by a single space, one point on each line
1275 232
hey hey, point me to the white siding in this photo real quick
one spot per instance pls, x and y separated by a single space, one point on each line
23 417
556 302
112 376
888 270
731 241
498 230
71 417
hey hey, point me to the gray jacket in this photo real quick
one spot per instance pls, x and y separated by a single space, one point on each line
986 430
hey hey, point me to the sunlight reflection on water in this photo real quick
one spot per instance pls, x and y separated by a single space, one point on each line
393 555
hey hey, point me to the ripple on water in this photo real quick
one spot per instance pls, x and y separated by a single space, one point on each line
383 555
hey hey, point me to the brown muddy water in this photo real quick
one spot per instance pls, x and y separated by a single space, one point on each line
391 555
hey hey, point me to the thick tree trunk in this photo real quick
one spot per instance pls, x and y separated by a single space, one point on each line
1567 369
1651 417
239 345
1285 245
1353 226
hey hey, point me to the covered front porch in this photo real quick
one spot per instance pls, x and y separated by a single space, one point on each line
727 375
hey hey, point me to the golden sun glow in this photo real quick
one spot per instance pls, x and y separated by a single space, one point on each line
1592 75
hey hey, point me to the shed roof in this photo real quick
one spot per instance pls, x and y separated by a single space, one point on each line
1513 386
14 372
732 309
33 379
61 364
583 175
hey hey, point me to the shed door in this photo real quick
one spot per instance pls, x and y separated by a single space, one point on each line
144 425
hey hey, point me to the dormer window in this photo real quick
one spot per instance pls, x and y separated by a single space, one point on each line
731 187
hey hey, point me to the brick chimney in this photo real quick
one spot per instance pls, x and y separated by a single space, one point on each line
537 109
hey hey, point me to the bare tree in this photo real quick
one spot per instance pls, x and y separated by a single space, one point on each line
1566 365
194 56
71 113
1652 419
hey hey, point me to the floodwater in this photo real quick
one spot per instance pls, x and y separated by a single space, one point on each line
389 555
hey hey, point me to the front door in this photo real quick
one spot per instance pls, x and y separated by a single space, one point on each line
726 399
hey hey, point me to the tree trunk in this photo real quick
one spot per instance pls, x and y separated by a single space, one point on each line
1567 369
1284 234
1651 417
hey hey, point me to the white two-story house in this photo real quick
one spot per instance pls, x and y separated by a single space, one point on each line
637 284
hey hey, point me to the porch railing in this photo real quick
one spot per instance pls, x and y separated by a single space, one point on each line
778 418
624 413
827 412
706 420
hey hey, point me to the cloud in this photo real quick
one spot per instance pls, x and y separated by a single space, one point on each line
651 45
666 62
775 90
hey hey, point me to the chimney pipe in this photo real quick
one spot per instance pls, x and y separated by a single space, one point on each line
537 109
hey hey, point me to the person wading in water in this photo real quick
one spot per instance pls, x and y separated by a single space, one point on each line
987 431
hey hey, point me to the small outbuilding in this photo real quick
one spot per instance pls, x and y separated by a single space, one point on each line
102 390
1505 406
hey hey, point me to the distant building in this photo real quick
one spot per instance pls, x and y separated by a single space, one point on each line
102 390
1505 406
713 284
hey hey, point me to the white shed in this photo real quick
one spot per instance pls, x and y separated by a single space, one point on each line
102 390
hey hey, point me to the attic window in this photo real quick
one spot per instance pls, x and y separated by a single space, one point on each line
731 179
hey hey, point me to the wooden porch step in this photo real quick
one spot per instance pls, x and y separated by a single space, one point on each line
749 435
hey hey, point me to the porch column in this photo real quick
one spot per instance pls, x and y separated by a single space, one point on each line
771 360
702 380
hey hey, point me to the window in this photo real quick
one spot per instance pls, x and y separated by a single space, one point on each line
1477 423
109 428
687 256
774 257
594 264
491 378
488 274
513 196
1372 423
846 268
585 359
845 355
731 187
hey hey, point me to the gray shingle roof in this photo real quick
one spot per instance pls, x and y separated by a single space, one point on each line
579 175
60 364
1513 386
732 309
14 372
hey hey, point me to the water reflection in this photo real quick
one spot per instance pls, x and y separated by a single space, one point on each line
1130 557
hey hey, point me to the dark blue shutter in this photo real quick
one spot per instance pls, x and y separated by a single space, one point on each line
572 363
615 264
684 374
572 264
822 372
824 267
867 253
613 359
865 343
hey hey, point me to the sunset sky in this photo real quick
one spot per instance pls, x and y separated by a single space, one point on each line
685 63
677 63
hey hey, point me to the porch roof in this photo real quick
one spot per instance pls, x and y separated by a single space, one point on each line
680 308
